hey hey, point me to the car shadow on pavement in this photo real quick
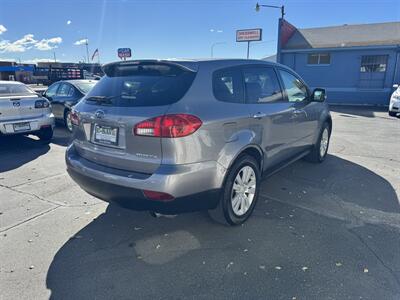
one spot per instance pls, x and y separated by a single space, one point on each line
62 136
363 111
284 251
15 151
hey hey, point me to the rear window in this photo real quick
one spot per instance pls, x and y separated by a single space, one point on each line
85 87
141 85
14 89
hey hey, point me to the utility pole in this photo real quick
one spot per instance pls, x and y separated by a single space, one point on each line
54 54
87 49
280 24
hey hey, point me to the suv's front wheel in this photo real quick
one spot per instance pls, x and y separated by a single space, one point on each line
320 149
240 192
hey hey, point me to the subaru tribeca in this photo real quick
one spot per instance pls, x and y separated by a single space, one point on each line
175 136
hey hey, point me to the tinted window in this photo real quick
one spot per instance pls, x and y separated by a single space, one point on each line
261 85
228 85
52 90
14 89
65 90
295 89
85 87
143 85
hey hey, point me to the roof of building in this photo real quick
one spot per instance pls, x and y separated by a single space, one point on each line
346 36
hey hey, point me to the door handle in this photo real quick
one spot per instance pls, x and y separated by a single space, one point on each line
259 115
298 112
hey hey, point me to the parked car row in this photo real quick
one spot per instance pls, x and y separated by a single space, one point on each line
24 110
176 136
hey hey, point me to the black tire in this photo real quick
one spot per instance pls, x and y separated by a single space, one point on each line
315 154
224 212
393 114
46 134
66 114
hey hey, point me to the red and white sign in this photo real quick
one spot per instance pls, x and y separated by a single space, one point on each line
124 52
249 35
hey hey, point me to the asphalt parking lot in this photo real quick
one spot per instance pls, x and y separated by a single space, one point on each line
328 231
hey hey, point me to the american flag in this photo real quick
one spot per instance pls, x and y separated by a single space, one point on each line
96 52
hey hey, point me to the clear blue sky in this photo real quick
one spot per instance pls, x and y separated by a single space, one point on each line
29 30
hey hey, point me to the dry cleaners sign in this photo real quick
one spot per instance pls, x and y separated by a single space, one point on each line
249 35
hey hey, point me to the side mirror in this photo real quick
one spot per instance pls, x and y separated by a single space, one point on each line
395 86
318 95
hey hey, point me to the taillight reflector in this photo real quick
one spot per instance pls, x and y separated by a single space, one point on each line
152 195
74 118
168 126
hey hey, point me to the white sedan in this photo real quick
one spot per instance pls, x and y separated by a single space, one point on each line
394 106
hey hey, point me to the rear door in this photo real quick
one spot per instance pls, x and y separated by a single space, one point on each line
126 96
51 93
269 112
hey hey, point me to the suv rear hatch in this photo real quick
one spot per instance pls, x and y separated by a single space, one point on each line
130 93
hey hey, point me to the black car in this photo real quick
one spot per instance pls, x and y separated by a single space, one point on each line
65 94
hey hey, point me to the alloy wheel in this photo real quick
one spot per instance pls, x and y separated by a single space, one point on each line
243 190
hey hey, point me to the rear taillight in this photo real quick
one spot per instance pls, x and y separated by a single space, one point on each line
42 104
168 126
74 118
159 196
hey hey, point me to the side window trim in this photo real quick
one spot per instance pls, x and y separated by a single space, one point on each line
298 78
57 85
282 90
68 85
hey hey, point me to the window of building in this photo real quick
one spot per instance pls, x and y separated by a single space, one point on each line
261 85
373 63
228 86
319 59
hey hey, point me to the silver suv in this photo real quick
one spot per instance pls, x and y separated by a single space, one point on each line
174 136
22 111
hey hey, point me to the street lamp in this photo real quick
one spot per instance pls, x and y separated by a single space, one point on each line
215 44
282 8
281 21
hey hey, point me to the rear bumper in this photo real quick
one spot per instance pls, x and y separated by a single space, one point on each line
7 127
193 186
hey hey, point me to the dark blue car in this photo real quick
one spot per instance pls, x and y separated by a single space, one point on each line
65 94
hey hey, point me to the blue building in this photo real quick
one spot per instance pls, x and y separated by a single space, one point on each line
356 64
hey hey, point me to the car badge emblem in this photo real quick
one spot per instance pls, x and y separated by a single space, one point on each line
16 104
99 114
